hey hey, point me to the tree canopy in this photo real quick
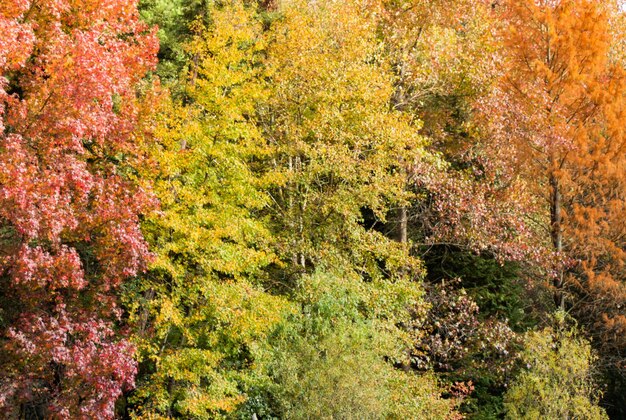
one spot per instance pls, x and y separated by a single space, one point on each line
312 209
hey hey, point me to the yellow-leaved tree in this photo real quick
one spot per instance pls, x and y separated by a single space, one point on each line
557 380
336 145
334 174
200 312
271 281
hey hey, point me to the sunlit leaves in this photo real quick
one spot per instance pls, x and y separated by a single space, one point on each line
561 103
201 310
337 148
68 108
557 378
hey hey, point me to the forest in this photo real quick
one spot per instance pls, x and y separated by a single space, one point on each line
312 209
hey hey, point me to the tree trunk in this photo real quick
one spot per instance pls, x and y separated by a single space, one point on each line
556 232
401 233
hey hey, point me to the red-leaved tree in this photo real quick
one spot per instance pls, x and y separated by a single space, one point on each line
69 210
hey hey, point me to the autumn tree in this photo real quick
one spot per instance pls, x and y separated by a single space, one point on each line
557 378
201 312
335 143
466 216
333 173
560 111
444 57
328 361
263 171
69 209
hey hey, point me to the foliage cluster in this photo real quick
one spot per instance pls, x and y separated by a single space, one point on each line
312 209
557 381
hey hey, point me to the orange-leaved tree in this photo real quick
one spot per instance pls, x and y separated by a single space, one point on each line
559 110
